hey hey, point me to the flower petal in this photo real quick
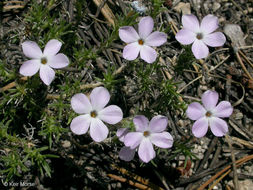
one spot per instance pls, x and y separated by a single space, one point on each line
156 39
52 47
58 61
99 97
215 39
210 99
126 153
200 127
185 36
190 22
98 130
133 139
158 124
128 34
146 151
80 124
195 111
199 49
218 126
121 133
162 140
145 26
148 54
46 74
141 123
111 114
31 49
209 24
131 51
223 109
81 104
30 67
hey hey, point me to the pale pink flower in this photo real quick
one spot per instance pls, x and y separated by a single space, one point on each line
200 35
94 114
209 115
43 62
140 43
148 133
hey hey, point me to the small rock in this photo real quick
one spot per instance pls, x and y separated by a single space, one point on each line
216 6
66 144
185 8
246 184
234 32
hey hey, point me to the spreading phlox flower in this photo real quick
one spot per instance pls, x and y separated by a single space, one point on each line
125 153
201 35
43 61
148 133
209 115
142 42
94 114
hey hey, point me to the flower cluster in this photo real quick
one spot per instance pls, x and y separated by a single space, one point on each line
93 111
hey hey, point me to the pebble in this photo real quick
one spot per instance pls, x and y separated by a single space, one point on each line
216 6
66 144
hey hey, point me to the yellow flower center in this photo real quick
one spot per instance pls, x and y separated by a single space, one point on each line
140 41
199 36
93 114
146 133
208 114
43 60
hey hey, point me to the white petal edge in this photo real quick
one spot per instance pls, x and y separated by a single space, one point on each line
162 140
195 111
58 61
30 67
146 151
31 50
111 114
47 74
145 27
80 124
81 104
99 98
52 47
98 130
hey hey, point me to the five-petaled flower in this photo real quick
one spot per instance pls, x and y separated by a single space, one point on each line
209 115
43 61
200 35
94 113
140 43
148 133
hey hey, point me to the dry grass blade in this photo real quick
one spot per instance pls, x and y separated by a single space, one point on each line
140 179
243 66
238 163
11 85
106 11
130 182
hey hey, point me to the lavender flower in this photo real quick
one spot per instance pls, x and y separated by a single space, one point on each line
43 62
94 113
140 43
209 115
148 133
200 35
